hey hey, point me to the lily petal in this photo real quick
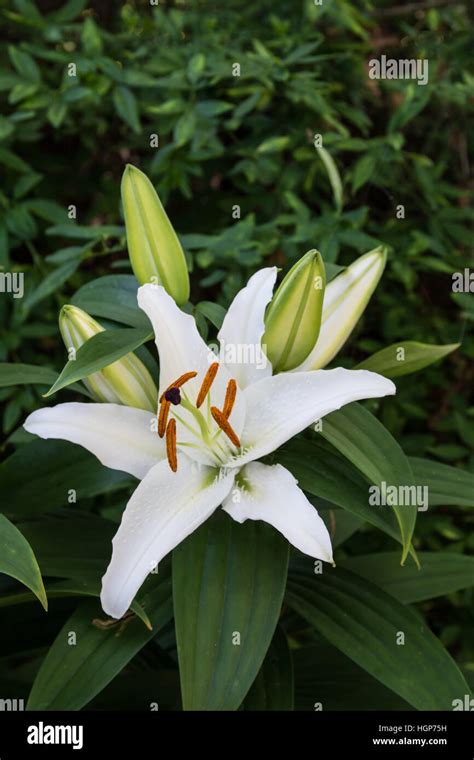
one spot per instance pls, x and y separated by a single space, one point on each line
121 437
165 508
182 350
345 300
271 493
241 333
281 406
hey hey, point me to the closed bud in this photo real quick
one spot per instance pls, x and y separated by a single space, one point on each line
155 252
345 300
125 381
293 318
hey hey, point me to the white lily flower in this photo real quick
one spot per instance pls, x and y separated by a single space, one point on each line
214 422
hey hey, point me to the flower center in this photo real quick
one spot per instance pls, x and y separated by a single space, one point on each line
205 434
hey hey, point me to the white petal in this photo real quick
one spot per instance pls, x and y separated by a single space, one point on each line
271 494
281 406
165 508
244 324
121 437
345 299
182 350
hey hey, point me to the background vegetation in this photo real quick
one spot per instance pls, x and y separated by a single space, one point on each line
227 140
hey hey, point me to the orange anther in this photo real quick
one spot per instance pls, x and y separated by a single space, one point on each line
163 416
229 400
171 444
225 426
182 379
206 383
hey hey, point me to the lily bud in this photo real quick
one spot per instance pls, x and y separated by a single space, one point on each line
126 381
345 300
293 318
155 252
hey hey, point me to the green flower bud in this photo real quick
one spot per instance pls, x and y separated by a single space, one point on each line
126 381
345 300
155 252
293 318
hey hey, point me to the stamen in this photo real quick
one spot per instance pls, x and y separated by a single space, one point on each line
225 426
206 383
171 445
163 416
230 394
182 379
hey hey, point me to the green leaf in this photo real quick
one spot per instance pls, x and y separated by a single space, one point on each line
126 106
98 352
68 11
51 284
185 128
54 468
365 623
70 676
363 171
273 686
74 545
228 580
91 38
68 588
84 232
405 357
25 65
362 439
329 476
20 222
440 573
320 671
6 129
23 374
212 311
333 174
196 66
56 113
113 297
273 145
18 561
12 161
48 210
447 486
